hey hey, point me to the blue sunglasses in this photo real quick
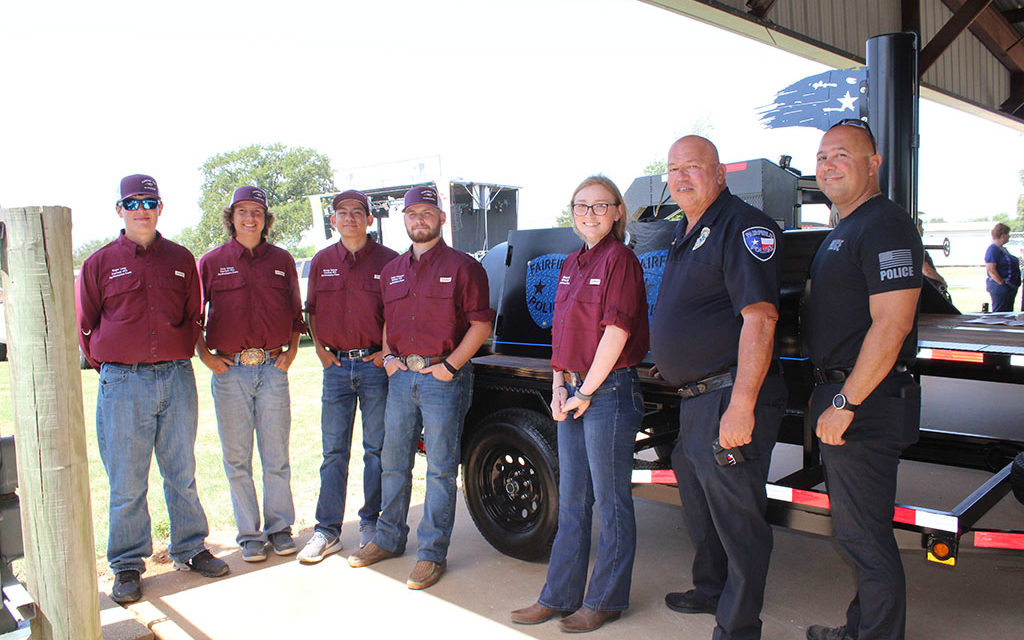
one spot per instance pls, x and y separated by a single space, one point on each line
147 203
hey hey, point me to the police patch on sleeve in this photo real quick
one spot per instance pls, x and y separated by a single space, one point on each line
895 264
760 242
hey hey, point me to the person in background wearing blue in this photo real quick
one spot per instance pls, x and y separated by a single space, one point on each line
599 335
1002 269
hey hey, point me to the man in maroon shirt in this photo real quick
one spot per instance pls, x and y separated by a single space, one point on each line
137 300
436 317
346 319
253 322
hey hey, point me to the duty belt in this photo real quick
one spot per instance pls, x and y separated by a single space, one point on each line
704 385
353 354
825 376
416 362
253 356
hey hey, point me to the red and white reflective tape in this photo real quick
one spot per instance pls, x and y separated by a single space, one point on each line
914 516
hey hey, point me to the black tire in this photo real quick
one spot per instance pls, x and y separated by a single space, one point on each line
1017 477
3 349
510 476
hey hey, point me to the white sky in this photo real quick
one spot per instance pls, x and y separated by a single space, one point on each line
534 93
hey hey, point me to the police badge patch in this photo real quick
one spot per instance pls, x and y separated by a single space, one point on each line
541 285
760 242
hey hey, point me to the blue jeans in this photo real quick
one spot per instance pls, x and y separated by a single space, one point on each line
595 458
140 410
1002 295
343 385
420 401
255 400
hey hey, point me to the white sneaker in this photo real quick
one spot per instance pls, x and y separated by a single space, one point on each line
319 547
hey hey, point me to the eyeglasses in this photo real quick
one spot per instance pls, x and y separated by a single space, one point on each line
147 203
859 124
599 208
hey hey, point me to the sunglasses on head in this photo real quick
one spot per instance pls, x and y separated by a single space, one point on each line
858 124
147 203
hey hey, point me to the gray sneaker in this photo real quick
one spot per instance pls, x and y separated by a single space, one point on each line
282 543
254 551
319 547
366 533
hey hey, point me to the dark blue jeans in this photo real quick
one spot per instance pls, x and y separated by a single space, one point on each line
595 458
343 385
420 402
1002 295
724 507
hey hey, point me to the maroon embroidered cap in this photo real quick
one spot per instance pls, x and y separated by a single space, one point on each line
252 194
351 194
139 184
422 195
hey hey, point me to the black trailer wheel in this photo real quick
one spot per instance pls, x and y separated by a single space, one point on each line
1017 477
3 351
510 476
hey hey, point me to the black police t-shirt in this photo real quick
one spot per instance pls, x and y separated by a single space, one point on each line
728 261
873 250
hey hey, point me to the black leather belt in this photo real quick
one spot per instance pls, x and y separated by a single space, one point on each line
825 376
704 385
353 354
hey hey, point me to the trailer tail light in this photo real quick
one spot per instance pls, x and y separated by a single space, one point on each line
950 355
998 540
942 550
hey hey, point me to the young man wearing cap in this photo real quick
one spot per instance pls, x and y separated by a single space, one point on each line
253 323
436 317
137 300
346 320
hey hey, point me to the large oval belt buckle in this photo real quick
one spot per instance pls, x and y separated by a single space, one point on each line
415 362
252 357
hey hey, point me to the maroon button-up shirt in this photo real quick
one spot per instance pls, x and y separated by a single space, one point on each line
429 303
344 295
138 304
251 298
596 288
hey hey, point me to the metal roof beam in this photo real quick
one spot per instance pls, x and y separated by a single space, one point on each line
997 35
1014 15
910 15
962 19
760 8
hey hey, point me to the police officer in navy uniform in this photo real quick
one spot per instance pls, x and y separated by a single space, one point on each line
712 334
861 318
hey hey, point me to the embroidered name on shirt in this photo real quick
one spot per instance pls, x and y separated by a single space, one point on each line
564 280
898 263
376 276
329 273
180 274
227 271
278 272
834 245
595 281
120 271
445 279
397 279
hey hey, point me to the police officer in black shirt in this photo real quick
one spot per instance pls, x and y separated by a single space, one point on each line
860 322
712 335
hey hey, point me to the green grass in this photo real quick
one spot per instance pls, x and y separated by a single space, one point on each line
305 380
967 286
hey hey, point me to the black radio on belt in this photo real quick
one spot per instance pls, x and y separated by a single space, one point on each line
726 457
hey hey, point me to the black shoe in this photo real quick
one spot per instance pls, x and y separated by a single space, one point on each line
821 632
282 543
127 587
204 564
690 602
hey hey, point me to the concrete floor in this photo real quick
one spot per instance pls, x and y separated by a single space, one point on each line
808 583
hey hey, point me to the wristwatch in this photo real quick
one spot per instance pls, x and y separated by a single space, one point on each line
842 404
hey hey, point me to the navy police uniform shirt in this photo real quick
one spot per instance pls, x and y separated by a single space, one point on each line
728 261
873 250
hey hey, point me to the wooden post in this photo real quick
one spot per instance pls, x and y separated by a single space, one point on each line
49 427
